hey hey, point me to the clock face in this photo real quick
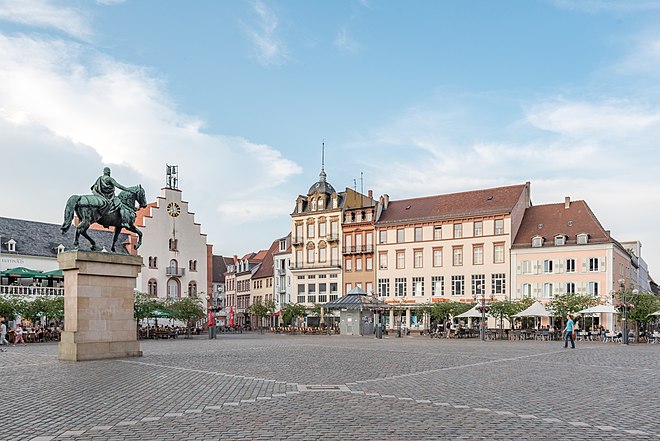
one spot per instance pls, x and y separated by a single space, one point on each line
173 209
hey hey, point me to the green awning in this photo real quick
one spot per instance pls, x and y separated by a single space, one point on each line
55 274
21 272
157 313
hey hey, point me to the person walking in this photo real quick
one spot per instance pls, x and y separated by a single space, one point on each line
18 337
568 332
3 335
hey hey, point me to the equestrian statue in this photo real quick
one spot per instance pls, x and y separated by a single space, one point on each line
105 208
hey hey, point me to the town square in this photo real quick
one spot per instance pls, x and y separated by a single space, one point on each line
351 219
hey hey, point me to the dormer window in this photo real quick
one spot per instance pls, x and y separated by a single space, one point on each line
320 203
582 238
60 248
313 204
11 245
537 242
560 239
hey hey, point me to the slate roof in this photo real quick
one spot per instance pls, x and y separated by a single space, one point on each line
499 200
266 268
551 220
219 264
41 239
355 301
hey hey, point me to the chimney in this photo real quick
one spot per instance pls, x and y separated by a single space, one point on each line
370 193
385 201
567 202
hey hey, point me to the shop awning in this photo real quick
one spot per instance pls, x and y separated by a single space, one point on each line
21 272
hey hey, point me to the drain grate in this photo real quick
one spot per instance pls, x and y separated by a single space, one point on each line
323 388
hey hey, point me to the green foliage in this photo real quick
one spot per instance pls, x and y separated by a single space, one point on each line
505 309
258 309
292 311
50 307
186 309
144 305
645 304
456 308
569 303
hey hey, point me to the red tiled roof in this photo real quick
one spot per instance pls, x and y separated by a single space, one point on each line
266 268
144 212
551 220
259 256
498 200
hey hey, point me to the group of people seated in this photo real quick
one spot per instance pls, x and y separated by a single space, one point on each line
33 333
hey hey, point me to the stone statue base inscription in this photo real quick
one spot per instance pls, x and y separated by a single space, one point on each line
98 305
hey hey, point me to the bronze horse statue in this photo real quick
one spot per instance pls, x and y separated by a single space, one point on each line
92 208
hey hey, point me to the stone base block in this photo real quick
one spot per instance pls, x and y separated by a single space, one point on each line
71 351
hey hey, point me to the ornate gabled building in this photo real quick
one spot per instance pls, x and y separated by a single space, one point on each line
174 248
358 229
316 244
238 287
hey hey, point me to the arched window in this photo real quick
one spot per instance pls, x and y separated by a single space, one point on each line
173 269
192 289
153 288
173 289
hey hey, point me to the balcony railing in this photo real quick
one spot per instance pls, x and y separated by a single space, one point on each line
316 265
280 272
358 249
176 272
297 240
332 237
31 290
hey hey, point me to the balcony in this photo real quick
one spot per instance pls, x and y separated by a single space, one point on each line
280 272
332 237
297 240
174 272
31 290
361 249
316 265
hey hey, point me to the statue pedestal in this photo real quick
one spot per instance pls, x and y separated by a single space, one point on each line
98 305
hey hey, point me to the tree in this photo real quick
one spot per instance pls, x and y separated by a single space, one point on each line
291 312
144 306
504 309
188 309
643 305
569 303
9 306
270 307
259 310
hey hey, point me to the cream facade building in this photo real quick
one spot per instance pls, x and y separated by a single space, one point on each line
452 247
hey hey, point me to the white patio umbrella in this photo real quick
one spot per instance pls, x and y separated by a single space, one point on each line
599 309
535 310
470 313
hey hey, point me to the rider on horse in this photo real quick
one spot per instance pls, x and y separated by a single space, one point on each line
104 187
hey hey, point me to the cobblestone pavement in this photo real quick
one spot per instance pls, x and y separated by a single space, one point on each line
253 386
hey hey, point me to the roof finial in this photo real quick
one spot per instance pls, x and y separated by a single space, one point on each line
322 175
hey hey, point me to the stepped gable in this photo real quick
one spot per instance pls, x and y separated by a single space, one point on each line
551 220
490 201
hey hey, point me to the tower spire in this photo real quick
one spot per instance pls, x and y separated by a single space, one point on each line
322 175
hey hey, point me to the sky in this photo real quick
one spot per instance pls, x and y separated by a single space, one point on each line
419 97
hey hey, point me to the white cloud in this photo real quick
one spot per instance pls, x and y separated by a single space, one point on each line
269 50
345 42
45 14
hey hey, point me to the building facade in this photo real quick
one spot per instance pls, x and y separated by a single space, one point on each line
282 272
446 247
358 231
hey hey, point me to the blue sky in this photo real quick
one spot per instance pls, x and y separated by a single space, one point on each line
423 97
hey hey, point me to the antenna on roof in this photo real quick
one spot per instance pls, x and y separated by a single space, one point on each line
323 155
361 189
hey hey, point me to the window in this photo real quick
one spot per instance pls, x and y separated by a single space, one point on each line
323 254
311 292
321 203
11 245
310 230
358 263
172 289
418 286
347 242
547 266
418 258
437 285
358 242
192 289
382 260
498 284
437 232
323 294
400 286
172 245
333 291
384 287
322 229
478 228
370 241
369 288
153 288
560 240
334 229
593 289
498 253
537 242
437 257
458 256
457 285
458 231
570 265
499 226
526 290
582 238
547 290
400 259
478 284
301 293
382 236
400 235
282 244
310 255
526 266
570 288
348 265
369 264
418 234
593 264
478 255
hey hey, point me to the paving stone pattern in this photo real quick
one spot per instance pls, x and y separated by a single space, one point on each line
253 387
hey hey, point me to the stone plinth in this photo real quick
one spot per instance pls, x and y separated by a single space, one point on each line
98 305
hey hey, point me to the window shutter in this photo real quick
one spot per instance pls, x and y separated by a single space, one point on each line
519 270
601 264
559 266
584 267
555 266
